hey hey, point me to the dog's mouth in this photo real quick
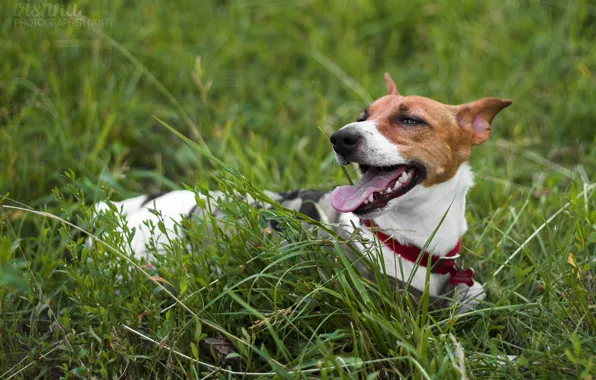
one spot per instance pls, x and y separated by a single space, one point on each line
377 187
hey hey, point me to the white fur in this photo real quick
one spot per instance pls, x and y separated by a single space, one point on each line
374 148
414 217
172 207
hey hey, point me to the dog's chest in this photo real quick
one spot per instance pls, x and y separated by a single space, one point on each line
394 266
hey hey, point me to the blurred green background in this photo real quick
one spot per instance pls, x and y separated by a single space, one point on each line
272 76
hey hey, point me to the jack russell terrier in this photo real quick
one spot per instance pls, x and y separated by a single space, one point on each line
412 152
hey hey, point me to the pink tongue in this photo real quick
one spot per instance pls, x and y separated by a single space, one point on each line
349 198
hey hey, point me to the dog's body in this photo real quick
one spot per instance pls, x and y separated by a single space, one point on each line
413 154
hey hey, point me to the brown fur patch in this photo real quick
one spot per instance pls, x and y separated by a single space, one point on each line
444 141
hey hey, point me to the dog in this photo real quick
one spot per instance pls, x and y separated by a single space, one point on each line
413 154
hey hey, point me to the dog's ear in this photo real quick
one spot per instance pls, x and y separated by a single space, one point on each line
391 87
477 116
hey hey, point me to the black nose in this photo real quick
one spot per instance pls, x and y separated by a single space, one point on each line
345 140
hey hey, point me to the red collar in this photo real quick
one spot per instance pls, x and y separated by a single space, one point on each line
440 265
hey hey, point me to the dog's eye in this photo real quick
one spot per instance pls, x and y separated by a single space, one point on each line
408 120
362 117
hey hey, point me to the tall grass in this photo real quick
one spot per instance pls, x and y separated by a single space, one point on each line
257 85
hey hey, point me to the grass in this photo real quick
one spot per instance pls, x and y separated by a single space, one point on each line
259 85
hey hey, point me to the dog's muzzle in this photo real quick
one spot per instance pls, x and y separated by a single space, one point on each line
346 141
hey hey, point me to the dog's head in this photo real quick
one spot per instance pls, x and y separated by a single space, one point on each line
404 143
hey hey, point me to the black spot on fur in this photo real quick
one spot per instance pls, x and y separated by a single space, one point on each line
192 211
307 198
289 195
275 225
153 196
308 207
312 195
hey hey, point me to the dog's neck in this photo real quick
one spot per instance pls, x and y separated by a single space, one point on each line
414 221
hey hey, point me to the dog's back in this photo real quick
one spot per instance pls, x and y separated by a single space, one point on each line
143 212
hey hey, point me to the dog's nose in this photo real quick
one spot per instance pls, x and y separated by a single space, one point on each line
345 140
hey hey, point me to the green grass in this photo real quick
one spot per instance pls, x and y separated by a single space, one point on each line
78 109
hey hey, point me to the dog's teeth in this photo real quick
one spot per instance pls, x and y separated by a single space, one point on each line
397 186
366 201
371 198
405 177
